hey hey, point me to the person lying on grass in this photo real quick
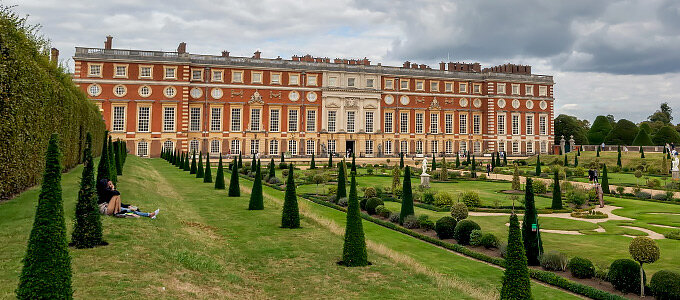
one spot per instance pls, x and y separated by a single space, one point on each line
110 203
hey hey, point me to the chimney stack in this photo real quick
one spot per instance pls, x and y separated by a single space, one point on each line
54 55
407 64
257 54
109 42
182 48
225 53
442 66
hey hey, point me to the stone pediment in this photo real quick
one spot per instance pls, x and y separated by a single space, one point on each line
332 105
370 106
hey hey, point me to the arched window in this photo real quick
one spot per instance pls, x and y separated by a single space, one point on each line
142 149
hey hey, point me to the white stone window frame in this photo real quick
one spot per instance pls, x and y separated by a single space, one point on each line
115 121
528 90
391 83
274 122
476 124
500 89
310 146
194 146
477 88
96 93
255 118
372 83
147 118
312 80
434 86
165 72
420 85
275 74
235 146
352 80
404 124
195 118
462 87
167 89
274 147
334 122
142 88
388 122
142 148
215 121
235 113
215 146
167 123
168 145
236 76
434 123
369 125
515 89
310 120
120 94
254 146
463 123
254 74
542 91
200 74
293 78
100 74
293 120
142 67
449 86
214 77
404 84
448 123
388 147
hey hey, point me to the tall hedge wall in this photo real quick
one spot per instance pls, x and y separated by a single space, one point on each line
37 98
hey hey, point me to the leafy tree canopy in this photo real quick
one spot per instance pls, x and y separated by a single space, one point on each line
601 127
566 126
623 133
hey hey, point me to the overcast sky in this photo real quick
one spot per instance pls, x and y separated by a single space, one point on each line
607 57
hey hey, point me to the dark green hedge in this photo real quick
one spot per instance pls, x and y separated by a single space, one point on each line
37 98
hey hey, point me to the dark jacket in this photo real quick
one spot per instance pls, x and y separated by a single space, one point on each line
104 192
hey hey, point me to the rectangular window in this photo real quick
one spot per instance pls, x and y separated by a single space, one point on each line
121 71
419 146
274 117
197 75
434 86
311 80
476 124
218 75
311 121
515 89
477 147
95 70
448 147
403 122
331 120
388 147
275 78
515 124
404 84
530 125
331 146
292 147
255 77
195 119
145 72
310 147
370 83
170 73
434 123
351 82
529 90
292 120
235 147
142 149
294 79
501 124
544 147
369 122
501 146
143 118
448 87
420 85
254 146
462 146
462 124
389 84
215 147
118 118
542 125
542 91
448 123
515 147
168 119
235 119
434 146
237 76
477 88
419 122
388 122
369 147
274 147
530 147
403 147
216 119
255 119
350 121
500 88
462 87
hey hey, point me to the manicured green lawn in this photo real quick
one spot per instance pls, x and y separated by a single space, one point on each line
628 179
206 245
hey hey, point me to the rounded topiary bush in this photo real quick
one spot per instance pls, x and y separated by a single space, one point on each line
372 203
489 240
459 211
394 217
428 198
445 227
665 285
476 237
463 230
411 222
370 192
425 222
362 203
553 261
442 199
471 199
624 274
581 267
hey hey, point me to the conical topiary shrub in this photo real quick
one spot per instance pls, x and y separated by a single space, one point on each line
407 196
516 281
342 190
530 228
312 164
354 164
103 167
538 165
605 180
112 163
401 160
207 175
434 162
46 272
556 193
187 164
87 228
219 178
256 197
575 160
566 162
193 170
118 158
457 161
498 159
253 164
618 157
354 252
271 169
199 167
291 215
234 188
330 160
240 161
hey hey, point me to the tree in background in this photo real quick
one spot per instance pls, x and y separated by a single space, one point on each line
623 133
516 281
219 179
556 192
530 228
493 160
396 173
605 180
87 226
187 165
291 215
538 165
46 272
666 135
645 251
642 139
642 152
473 167
199 167
601 127
566 125
103 168
256 197
406 196
354 252
342 181
566 162
663 115
193 163
207 175
515 179
234 188
505 160
598 151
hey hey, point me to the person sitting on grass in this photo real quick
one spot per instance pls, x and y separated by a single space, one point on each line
110 203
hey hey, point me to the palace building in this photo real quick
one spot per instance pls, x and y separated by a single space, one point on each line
308 105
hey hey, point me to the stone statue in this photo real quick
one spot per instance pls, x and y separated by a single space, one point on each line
424 165
675 164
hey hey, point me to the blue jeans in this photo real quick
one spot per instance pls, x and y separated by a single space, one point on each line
139 213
